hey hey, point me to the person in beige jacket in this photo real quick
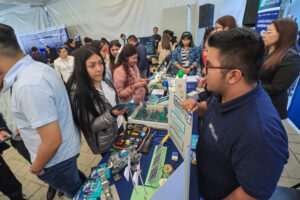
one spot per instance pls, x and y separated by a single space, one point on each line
165 47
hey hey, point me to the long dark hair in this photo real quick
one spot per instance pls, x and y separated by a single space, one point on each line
97 45
165 42
187 35
86 99
288 31
111 57
127 51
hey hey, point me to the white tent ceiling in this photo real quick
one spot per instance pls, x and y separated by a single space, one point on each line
28 2
8 6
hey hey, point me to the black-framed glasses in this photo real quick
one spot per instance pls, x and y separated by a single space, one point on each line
207 66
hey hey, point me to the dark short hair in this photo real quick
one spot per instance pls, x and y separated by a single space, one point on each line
70 41
122 35
186 35
207 32
104 40
171 33
155 28
78 44
8 41
66 43
47 46
241 48
87 39
34 49
60 48
132 37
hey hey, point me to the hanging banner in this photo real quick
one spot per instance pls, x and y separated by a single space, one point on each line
268 11
53 37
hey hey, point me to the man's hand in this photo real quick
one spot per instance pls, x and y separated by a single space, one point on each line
51 139
39 173
201 83
190 105
3 135
239 194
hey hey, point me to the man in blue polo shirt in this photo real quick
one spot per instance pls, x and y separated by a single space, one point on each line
242 147
41 108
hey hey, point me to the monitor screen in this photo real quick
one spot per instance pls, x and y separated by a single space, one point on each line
149 43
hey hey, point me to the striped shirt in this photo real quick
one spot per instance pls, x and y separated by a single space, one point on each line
184 57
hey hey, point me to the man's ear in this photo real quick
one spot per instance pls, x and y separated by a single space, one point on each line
234 76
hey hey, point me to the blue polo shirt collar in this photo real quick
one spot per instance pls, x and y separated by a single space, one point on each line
11 76
237 102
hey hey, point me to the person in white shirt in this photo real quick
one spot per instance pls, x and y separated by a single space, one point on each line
64 65
41 108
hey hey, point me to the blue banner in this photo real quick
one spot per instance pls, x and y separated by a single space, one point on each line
266 4
294 109
267 12
53 37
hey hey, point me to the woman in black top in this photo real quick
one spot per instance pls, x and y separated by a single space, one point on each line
282 62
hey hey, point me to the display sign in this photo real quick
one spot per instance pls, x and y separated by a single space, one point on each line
149 43
180 127
268 11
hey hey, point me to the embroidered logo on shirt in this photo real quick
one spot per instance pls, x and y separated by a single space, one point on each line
213 132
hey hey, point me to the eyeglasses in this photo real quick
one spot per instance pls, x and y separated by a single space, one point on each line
207 66
268 31
217 27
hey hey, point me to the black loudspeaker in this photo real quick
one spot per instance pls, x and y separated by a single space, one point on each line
250 15
206 15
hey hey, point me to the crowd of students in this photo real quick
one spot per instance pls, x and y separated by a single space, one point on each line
51 107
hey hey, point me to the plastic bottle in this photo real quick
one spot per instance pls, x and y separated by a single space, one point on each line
180 85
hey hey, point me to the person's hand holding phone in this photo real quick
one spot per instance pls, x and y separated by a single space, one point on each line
119 112
139 84
144 80
3 135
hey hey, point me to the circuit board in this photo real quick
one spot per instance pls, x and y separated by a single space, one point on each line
152 115
155 170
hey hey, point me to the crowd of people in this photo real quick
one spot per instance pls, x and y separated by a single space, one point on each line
242 146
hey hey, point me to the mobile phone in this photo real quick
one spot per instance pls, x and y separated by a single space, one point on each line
122 105
12 135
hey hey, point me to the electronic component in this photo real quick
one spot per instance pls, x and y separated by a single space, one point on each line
153 174
157 159
174 156
159 147
153 115
147 145
168 169
135 134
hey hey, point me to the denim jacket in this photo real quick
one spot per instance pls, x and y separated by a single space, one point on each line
194 59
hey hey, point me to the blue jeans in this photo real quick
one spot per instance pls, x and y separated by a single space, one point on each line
64 176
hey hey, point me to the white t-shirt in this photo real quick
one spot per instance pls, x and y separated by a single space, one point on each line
110 95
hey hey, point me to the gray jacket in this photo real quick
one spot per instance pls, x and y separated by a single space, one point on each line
104 128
